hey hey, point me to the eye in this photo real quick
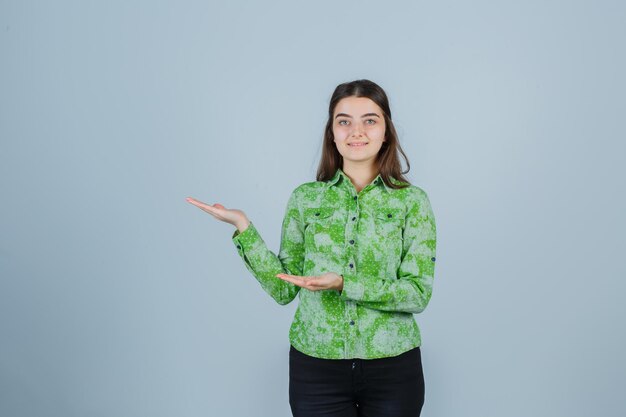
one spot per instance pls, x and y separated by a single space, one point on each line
372 120
341 121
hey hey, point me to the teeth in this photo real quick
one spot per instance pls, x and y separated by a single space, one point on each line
357 144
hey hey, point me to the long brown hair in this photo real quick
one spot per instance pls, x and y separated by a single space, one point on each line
387 158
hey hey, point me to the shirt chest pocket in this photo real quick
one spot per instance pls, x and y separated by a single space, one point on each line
318 228
389 222
317 219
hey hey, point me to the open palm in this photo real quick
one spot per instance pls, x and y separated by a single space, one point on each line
235 217
326 281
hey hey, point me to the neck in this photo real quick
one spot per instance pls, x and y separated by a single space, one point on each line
360 174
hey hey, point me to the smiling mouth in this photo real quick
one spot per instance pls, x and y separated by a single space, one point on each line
357 144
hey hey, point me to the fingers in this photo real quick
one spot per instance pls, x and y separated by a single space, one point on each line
310 283
206 207
197 202
218 211
294 279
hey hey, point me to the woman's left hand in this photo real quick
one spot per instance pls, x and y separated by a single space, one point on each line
327 281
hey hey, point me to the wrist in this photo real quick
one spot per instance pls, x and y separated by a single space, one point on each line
243 225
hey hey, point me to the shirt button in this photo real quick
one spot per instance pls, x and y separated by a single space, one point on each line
355 197
351 266
317 214
351 242
388 215
354 218
239 247
351 322
432 259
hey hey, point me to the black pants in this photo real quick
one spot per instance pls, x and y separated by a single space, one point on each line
386 387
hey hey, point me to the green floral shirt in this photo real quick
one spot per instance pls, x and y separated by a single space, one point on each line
381 240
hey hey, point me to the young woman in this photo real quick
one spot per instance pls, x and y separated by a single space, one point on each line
358 249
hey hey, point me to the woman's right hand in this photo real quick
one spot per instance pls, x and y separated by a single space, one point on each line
233 216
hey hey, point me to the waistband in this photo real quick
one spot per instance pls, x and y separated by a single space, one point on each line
403 356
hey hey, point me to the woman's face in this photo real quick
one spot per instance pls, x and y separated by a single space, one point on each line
359 128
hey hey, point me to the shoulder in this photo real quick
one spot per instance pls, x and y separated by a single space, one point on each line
418 192
303 194
410 193
414 199
308 189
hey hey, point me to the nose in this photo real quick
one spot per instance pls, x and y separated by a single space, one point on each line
357 131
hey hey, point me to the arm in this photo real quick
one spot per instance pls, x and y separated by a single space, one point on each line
412 290
264 264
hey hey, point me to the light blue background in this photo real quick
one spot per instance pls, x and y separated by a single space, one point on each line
118 298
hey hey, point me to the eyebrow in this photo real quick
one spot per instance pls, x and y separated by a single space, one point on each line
365 115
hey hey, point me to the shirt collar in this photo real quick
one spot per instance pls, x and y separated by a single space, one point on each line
340 175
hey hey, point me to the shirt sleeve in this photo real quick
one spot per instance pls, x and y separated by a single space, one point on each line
412 289
264 264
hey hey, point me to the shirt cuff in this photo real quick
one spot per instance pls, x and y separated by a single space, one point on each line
246 239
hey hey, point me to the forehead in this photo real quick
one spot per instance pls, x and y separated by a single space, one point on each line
356 106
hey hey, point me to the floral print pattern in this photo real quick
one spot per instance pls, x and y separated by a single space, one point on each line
381 240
